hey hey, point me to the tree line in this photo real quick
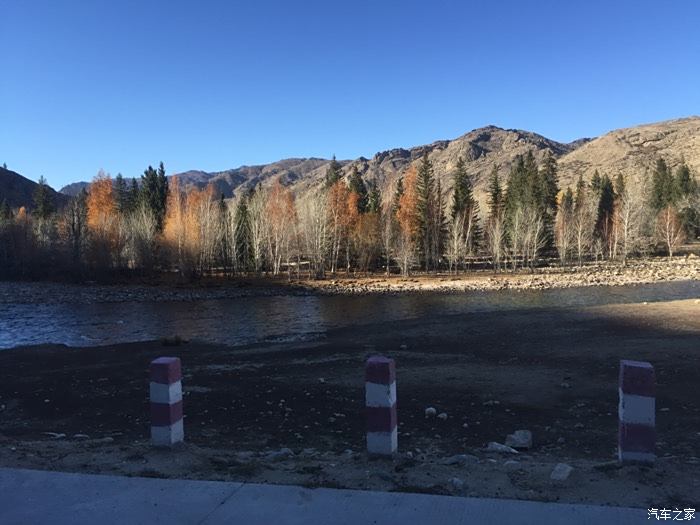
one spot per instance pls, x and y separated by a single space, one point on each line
347 224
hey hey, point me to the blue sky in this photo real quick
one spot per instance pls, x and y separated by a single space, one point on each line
213 85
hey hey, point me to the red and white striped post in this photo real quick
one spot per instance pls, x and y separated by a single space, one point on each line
380 401
637 412
166 402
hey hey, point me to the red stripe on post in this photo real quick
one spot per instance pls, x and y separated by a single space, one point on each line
637 438
164 414
637 377
380 370
166 370
381 419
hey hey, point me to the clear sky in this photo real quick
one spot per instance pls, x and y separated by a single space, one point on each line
211 85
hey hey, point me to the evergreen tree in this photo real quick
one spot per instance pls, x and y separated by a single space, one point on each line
333 173
121 194
606 208
596 181
550 184
154 193
427 212
43 200
397 194
4 166
357 185
374 198
496 198
5 211
463 202
242 235
134 194
567 202
580 197
685 184
663 189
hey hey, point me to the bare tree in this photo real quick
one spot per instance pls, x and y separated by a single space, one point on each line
388 234
564 232
142 229
631 216
456 241
313 226
495 239
669 229
259 228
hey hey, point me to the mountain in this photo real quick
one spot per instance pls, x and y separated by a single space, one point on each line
633 151
629 151
19 191
74 188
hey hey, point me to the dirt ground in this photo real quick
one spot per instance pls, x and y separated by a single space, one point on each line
553 372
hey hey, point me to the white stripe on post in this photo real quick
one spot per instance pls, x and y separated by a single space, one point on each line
380 404
637 412
166 402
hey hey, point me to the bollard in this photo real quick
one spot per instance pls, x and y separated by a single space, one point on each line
637 408
380 401
166 402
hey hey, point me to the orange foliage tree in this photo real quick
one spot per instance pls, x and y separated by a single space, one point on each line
103 221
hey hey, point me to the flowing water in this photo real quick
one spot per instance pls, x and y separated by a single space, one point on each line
285 318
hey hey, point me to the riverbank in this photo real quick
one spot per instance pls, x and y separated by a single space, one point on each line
293 413
595 274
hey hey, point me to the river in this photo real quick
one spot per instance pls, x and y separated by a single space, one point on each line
285 318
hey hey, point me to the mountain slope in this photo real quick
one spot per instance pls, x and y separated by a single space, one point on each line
633 151
629 151
19 191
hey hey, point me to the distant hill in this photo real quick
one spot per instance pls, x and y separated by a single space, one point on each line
19 190
629 151
74 188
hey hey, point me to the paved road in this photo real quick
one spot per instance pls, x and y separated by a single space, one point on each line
37 497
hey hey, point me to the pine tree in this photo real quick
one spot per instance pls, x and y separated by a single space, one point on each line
333 173
374 198
242 235
596 181
134 194
121 194
580 196
154 193
663 189
43 200
427 212
606 210
357 185
463 202
5 211
496 198
685 184
397 195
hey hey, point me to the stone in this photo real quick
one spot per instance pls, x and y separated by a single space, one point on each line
512 464
457 483
460 459
55 435
520 439
279 455
561 472
498 447
442 416
430 412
